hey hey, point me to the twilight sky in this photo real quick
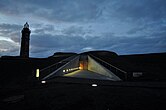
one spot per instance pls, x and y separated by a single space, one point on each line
122 26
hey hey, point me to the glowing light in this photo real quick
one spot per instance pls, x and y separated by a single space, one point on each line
76 68
81 66
37 73
64 71
43 82
94 85
72 73
67 70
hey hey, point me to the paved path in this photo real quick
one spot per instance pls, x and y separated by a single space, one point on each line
87 74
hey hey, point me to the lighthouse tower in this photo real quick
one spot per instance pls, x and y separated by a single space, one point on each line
24 52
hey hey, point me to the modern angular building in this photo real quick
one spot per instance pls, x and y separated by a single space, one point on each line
24 52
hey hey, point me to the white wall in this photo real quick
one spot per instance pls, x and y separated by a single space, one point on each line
98 68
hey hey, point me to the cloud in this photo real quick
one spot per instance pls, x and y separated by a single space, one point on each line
121 45
54 10
10 27
77 31
86 10
8 48
138 10
39 29
135 30
123 26
74 11
10 31
60 41
85 49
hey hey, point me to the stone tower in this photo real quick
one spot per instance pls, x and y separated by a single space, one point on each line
24 52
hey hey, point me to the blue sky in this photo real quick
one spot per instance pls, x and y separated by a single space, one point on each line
122 26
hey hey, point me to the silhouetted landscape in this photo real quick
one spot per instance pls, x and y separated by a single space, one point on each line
20 70
145 92
152 65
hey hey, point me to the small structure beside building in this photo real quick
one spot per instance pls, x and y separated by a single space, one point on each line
137 74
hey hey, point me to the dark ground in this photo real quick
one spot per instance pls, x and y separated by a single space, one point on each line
15 70
78 94
20 90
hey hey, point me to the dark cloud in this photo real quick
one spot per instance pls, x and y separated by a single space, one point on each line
87 10
135 30
122 45
60 10
43 29
65 10
77 31
74 31
10 27
139 9
59 41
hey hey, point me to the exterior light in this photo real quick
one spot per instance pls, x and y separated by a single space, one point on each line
94 85
43 82
37 73
64 71
67 70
